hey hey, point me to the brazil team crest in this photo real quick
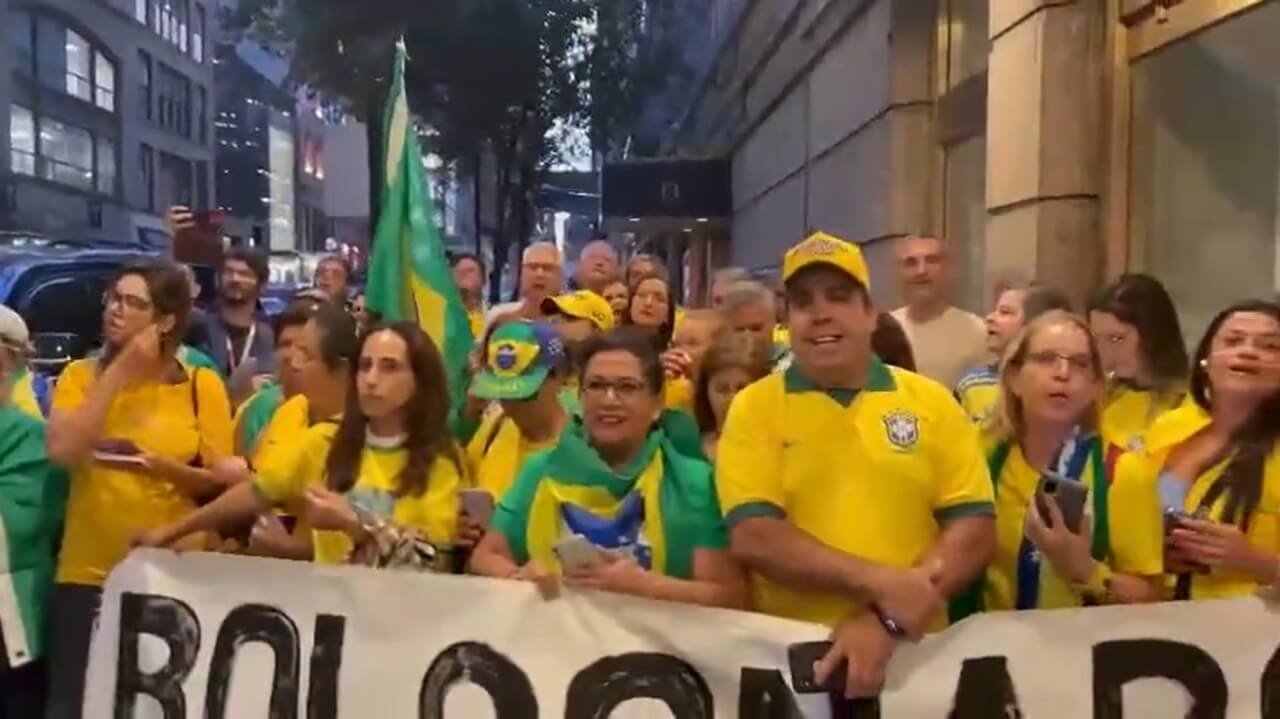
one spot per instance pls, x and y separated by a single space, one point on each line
902 428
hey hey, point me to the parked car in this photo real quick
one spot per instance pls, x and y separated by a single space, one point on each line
57 286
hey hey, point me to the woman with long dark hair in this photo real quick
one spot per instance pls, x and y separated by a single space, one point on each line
390 463
1210 470
1143 354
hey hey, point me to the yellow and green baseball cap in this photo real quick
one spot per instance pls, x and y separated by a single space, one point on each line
821 248
582 305
521 355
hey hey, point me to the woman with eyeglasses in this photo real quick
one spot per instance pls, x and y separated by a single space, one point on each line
614 505
1209 475
1143 356
138 433
1062 539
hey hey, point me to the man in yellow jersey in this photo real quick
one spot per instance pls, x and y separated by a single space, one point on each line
523 373
855 492
578 316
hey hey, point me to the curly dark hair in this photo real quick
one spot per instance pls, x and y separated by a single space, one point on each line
426 418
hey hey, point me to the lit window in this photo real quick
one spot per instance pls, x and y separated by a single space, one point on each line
140 11
67 152
106 180
104 83
22 140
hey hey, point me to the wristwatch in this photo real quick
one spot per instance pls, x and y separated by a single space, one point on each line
1098 584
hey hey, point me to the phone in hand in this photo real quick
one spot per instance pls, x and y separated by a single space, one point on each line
576 553
118 451
802 657
478 504
1070 496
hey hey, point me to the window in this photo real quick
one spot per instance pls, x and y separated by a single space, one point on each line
197 32
21 35
170 19
63 60
174 105
202 184
106 179
148 165
22 140
104 83
144 78
174 181
181 15
202 118
140 11
66 154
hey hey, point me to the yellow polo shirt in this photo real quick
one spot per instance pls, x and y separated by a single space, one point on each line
288 424
1128 412
282 482
1137 473
875 473
23 395
108 507
497 451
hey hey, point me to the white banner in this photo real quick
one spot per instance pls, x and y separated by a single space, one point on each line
215 636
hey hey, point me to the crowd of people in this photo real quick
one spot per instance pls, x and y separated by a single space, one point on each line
788 449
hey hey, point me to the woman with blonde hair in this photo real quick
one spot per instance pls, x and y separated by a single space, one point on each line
1054 549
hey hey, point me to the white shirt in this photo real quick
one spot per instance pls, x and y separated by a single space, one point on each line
947 346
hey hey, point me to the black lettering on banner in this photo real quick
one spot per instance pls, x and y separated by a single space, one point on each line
985 691
256 623
1271 687
326 661
1118 662
764 694
598 689
506 683
177 625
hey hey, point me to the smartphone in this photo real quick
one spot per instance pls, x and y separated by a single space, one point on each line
118 451
576 553
1070 496
202 242
802 657
478 504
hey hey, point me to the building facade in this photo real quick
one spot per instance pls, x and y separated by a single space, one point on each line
1072 141
105 115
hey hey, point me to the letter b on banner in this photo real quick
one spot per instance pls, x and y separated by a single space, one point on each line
176 624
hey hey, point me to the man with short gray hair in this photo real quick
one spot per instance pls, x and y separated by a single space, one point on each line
541 276
946 340
597 266
721 281
750 309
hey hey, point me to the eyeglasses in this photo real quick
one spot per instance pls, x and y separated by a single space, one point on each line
1049 360
129 302
624 389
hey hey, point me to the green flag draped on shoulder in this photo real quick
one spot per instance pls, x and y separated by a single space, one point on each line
409 274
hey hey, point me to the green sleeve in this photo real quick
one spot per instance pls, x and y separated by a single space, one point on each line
682 431
700 506
193 358
511 518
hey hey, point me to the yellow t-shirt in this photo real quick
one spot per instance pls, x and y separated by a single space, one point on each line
1128 412
1138 473
435 512
497 451
979 394
781 336
678 394
282 434
476 318
108 507
876 473
1017 486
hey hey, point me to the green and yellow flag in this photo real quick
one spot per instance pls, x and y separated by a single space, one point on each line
409 274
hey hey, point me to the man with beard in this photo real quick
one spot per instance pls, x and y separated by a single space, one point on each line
233 334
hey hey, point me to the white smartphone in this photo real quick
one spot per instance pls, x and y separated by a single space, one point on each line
576 553
134 460
477 503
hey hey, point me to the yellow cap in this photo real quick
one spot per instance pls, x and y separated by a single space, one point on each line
821 248
582 305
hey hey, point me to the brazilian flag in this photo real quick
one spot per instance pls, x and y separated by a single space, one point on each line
409 274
